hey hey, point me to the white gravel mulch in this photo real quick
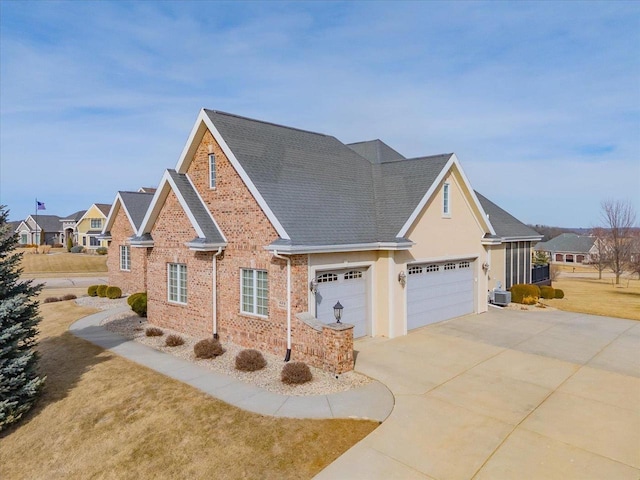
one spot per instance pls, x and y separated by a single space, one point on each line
131 326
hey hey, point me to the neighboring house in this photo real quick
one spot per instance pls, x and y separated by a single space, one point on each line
262 229
151 190
45 232
69 224
127 266
569 248
89 227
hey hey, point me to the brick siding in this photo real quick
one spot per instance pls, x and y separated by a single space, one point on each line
134 280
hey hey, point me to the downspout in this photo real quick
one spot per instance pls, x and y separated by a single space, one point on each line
288 260
215 292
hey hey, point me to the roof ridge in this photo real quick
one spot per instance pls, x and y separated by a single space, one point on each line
266 123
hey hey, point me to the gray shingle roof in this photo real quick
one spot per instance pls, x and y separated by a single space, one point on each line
74 217
567 242
505 224
49 223
136 204
198 210
104 208
376 151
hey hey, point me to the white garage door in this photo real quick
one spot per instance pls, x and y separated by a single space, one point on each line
438 291
349 287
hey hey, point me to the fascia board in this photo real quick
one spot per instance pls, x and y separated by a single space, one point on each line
185 207
189 151
432 189
356 247
155 206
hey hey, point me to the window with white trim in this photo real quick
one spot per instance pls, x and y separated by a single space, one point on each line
125 258
446 207
449 266
254 292
177 283
24 238
352 275
414 270
327 277
432 268
96 223
94 242
212 170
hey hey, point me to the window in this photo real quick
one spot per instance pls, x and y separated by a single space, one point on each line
463 265
24 239
415 270
446 208
84 241
212 170
431 268
177 283
254 292
449 266
96 223
327 277
94 242
125 257
352 275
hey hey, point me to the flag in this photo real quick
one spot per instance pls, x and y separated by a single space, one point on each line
40 205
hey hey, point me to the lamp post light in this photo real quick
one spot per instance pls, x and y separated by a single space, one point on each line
337 311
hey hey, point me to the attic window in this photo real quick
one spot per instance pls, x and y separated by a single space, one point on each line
446 208
212 170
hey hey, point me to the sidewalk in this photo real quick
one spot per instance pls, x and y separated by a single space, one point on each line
373 401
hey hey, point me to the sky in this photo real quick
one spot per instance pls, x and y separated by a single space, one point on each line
540 101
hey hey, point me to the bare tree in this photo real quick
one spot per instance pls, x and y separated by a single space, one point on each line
600 261
634 263
619 218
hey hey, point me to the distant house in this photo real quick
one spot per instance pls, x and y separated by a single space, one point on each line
127 266
569 248
151 190
69 224
90 225
46 231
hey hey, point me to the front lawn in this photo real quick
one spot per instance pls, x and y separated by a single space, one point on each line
102 416
599 297
62 262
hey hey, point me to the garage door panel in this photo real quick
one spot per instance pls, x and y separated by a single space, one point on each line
352 295
435 294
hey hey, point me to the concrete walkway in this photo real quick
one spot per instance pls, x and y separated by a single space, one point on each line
503 395
373 401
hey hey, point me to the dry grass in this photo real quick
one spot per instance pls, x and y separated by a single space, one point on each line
62 262
102 416
599 297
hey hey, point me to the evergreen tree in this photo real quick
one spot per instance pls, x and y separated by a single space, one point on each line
19 380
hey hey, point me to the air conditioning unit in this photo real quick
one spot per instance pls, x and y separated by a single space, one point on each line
501 298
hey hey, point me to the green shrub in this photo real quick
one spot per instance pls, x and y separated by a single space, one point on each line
51 299
139 305
208 348
559 293
295 373
102 290
174 341
68 296
547 292
521 290
92 291
250 360
153 332
101 250
77 249
113 292
131 298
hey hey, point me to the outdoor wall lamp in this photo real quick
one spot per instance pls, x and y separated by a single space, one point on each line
402 278
337 311
485 266
313 286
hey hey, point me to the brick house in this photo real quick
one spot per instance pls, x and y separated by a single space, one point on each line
261 230
127 267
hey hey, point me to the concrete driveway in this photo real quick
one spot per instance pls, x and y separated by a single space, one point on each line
503 395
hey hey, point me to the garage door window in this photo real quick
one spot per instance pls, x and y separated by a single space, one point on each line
449 266
463 265
415 270
327 277
354 274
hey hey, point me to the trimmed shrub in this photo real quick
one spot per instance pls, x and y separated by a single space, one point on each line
521 290
51 299
92 291
559 293
113 292
101 250
250 360
153 332
139 305
529 300
131 298
547 292
208 348
77 249
102 290
295 373
68 296
174 341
